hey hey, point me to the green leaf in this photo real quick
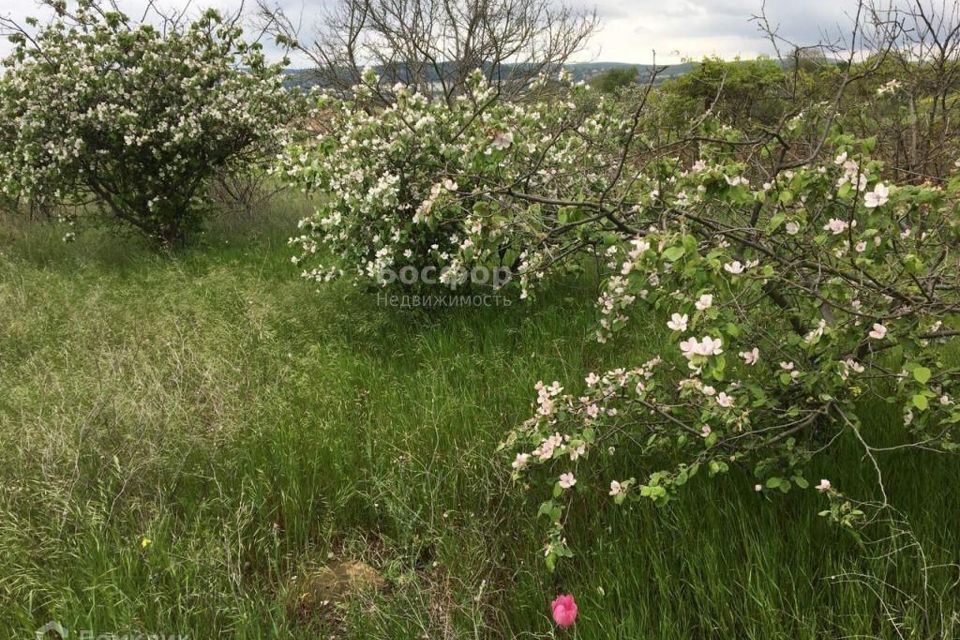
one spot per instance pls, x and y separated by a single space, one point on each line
913 263
545 508
920 402
921 375
672 254
776 221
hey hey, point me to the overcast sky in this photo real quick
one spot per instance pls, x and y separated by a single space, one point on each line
630 29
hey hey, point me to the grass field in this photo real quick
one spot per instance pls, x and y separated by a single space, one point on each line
187 441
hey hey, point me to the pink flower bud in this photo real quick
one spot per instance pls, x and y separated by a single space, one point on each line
564 611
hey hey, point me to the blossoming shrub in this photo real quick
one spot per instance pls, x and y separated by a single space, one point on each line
137 119
789 286
406 185
784 304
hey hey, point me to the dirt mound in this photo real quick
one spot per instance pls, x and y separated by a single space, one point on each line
315 594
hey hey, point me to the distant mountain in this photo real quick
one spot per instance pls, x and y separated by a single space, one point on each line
307 78
586 70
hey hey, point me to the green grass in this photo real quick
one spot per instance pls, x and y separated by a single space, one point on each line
250 426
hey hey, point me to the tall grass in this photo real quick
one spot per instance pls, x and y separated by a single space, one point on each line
186 438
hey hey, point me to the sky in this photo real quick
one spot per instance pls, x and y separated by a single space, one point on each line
630 30
678 29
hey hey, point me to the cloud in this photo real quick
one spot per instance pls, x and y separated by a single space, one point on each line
694 28
630 30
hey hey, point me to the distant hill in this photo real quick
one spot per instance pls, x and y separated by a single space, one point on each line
307 78
587 70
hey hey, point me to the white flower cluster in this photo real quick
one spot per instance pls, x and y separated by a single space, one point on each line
419 182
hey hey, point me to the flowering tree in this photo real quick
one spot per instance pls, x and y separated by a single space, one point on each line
408 185
133 118
792 277
785 303
787 298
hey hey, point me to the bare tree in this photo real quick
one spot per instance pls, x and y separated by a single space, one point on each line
925 61
435 44
909 53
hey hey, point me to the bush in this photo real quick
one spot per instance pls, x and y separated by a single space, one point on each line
793 278
785 304
134 118
613 80
741 92
404 186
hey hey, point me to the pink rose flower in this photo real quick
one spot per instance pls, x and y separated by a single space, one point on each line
564 611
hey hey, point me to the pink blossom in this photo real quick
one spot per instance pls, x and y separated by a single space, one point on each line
545 450
564 610
849 365
705 430
708 347
750 357
879 331
724 400
615 488
545 397
567 480
678 322
836 226
704 302
735 267
520 461
824 486
689 347
502 140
